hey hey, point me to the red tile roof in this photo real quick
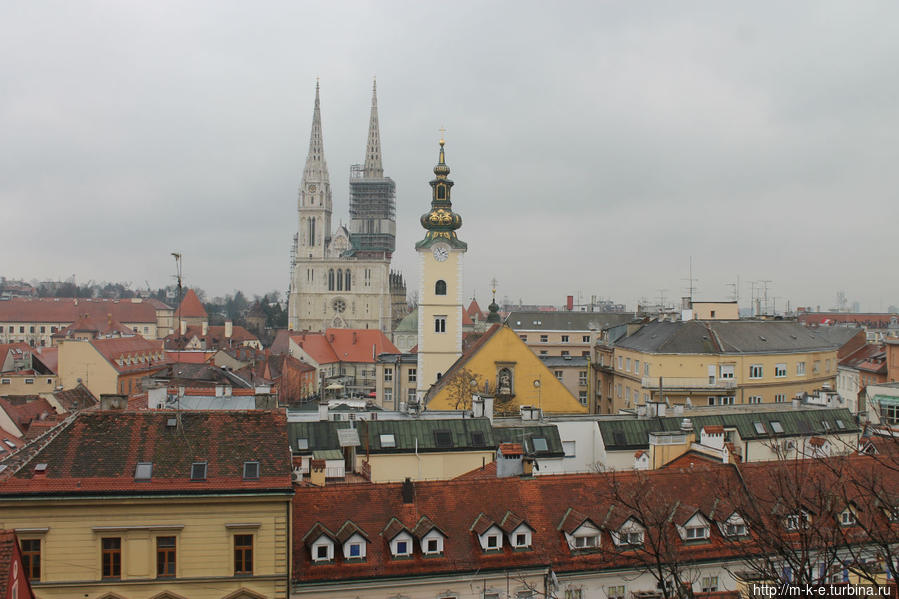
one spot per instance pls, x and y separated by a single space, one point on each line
867 319
553 504
475 310
66 310
99 451
23 410
10 555
136 353
466 319
185 356
191 306
48 356
345 345
96 324
213 339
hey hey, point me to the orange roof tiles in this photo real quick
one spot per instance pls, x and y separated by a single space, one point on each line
345 345
134 353
66 310
474 310
191 306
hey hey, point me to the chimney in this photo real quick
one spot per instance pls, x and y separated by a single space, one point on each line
408 491
323 411
355 337
183 327
229 328
205 328
317 472
569 303
110 401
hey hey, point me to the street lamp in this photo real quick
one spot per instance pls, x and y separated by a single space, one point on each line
539 403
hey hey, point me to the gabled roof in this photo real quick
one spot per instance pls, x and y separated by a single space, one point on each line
511 521
9 553
482 524
393 528
474 310
136 353
571 520
95 324
191 306
345 345
424 526
98 451
349 529
23 410
77 398
317 531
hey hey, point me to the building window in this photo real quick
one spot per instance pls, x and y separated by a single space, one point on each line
780 397
346 282
411 395
564 338
695 533
586 338
440 324
889 413
31 558
615 592
582 377
251 470
726 371
523 338
582 397
780 370
627 363
388 375
413 375
243 554
620 362
636 366
756 371
29 381
800 368
558 374
111 559
847 518
440 287
565 352
388 396
709 584
331 279
735 530
645 369
544 338
492 542
755 399
165 556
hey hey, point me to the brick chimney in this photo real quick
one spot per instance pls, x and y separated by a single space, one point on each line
408 491
229 329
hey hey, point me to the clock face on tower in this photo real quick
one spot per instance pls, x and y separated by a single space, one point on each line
441 253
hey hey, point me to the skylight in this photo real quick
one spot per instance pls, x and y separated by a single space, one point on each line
840 424
302 443
539 444
9 443
760 428
40 467
143 471
443 439
776 427
478 439
198 471
388 440
250 470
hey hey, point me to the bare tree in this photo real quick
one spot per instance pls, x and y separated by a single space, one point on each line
460 386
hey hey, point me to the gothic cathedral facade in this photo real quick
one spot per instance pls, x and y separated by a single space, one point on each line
342 278
440 256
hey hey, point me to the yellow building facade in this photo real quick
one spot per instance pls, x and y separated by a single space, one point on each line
778 361
156 505
511 372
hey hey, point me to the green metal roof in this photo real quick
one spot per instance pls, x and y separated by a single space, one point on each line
526 435
457 434
319 435
328 454
634 434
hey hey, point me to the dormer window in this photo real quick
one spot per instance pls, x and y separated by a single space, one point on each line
696 528
797 520
585 536
353 540
401 545
198 471
847 517
494 541
320 542
490 535
695 533
629 534
430 537
734 526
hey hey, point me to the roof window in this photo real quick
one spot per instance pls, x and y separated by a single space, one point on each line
143 471
443 439
171 422
776 426
251 470
302 443
42 467
760 428
198 471
9 443
388 440
539 444
478 439
840 424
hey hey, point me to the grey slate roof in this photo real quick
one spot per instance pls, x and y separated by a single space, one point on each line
633 434
726 337
569 361
526 435
566 321
319 435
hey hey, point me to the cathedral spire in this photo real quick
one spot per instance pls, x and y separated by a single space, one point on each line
373 167
316 167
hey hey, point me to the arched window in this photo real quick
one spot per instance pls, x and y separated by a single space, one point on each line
440 287
331 280
339 279
346 284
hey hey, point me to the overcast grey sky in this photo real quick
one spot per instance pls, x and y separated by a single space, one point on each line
595 146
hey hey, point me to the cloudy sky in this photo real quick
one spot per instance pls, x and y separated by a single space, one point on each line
595 146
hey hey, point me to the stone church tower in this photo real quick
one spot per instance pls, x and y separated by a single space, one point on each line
342 278
440 256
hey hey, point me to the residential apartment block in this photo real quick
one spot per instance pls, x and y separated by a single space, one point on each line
563 333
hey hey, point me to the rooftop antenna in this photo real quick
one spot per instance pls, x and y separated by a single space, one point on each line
661 299
764 284
691 288
177 257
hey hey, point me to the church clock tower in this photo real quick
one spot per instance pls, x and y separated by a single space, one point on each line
440 256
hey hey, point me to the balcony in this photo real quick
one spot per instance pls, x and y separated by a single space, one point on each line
683 382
